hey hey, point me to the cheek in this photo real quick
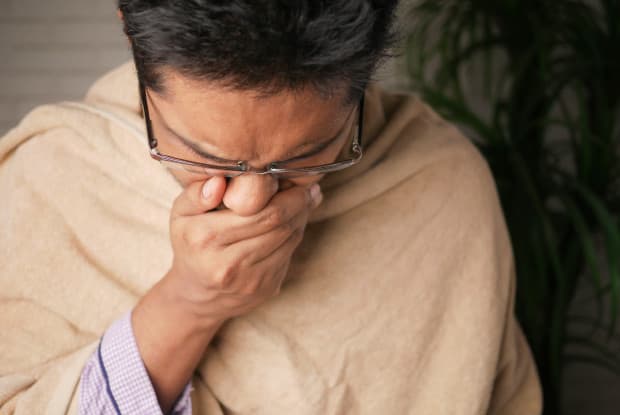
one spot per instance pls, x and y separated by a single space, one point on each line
165 147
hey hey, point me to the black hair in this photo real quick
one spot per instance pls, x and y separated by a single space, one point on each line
262 45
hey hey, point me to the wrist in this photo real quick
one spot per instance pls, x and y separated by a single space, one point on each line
188 302
170 341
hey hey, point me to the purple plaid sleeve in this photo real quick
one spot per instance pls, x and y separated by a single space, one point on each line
114 380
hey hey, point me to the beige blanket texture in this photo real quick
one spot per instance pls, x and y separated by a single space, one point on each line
399 299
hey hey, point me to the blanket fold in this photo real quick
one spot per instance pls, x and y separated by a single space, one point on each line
399 299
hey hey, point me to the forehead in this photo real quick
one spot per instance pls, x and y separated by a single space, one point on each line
186 92
247 124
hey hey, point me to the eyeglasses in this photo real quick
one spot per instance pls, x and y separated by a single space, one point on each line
284 169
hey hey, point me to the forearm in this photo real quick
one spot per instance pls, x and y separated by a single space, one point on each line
170 339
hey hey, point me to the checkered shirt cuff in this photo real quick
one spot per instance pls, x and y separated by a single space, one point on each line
115 380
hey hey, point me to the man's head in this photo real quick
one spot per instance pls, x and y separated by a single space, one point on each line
254 80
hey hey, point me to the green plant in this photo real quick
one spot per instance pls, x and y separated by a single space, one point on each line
546 78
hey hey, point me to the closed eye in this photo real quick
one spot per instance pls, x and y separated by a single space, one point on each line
208 157
196 150
322 147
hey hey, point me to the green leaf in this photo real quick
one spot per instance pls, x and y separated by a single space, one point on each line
585 239
610 229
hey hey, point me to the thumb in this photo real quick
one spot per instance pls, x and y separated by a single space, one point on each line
199 197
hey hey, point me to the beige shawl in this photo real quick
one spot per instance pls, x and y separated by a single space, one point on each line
400 298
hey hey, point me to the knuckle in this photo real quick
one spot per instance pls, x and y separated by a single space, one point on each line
297 234
209 235
274 216
190 238
197 238
251 288
224 276
287 228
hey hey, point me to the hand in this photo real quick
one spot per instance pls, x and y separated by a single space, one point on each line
225 264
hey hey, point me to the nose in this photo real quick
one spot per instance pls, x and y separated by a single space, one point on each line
248 194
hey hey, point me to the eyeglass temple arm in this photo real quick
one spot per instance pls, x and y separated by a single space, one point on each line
147 117
360 121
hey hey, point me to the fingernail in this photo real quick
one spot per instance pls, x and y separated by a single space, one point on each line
315 192
318 199
207 190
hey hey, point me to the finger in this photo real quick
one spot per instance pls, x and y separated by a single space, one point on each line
199 197
279 261
275 267
255 249
285 208
225 228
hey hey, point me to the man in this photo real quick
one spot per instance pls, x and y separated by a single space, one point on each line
303 243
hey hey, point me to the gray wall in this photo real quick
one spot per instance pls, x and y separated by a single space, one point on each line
54 49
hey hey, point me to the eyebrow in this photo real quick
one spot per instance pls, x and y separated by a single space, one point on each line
198 150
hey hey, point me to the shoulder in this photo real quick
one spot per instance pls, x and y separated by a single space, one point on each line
436 155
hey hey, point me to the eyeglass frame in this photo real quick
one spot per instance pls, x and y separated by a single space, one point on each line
242 166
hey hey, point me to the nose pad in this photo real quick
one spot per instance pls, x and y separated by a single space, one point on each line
248 194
